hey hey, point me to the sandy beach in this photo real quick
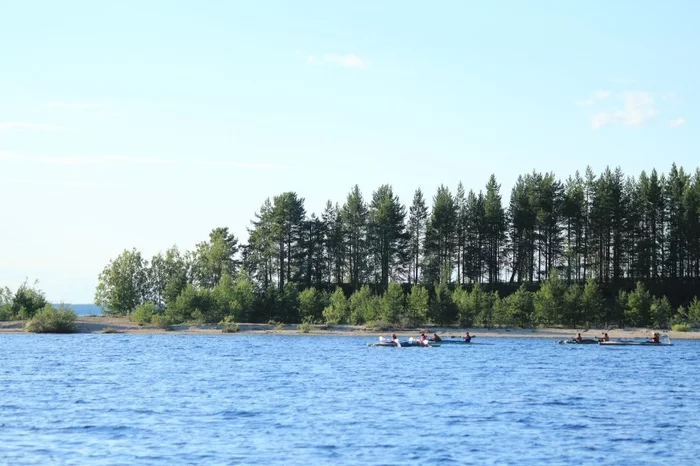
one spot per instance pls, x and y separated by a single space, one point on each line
106 325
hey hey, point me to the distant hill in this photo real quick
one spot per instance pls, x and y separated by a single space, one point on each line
83 309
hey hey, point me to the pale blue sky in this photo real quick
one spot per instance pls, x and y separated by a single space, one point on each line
148 123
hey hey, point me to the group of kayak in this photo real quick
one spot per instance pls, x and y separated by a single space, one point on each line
655 340
436 340
424 341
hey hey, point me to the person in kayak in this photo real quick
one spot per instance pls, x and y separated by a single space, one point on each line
423 340
436 337
578 337
605 337
655 338
394 338
467 338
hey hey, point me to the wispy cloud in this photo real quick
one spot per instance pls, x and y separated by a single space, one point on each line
9 126
98 160
680 121
68 105
596 96
349 60
601 119
252 165
638 108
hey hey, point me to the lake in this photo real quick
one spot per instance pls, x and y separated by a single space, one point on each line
269 399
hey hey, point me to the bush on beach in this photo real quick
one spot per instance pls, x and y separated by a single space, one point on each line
51 320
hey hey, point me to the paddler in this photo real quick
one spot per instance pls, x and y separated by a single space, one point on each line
605 337
423 340
394 338
578 337
467 338
436 337
655 338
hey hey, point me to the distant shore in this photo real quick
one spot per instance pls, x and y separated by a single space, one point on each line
101 324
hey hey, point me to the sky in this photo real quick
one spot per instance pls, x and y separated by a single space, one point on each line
146 124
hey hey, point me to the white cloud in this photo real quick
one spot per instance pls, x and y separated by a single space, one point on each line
638 108
67 105
601 119
21 126
109 159
595 97
349 60
680 121
253 165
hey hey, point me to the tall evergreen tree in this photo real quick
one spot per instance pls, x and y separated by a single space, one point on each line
460 231
288 216
522 220
259 255
417 219
216 257
334 242
387 235
440 237
354 218
574 215
495 228
475 235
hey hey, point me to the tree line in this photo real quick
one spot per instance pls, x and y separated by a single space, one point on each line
608 229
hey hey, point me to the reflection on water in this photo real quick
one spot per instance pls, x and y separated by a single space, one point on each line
164 399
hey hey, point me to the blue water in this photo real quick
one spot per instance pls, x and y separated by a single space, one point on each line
83 309
267 399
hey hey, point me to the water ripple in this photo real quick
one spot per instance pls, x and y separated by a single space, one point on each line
203 399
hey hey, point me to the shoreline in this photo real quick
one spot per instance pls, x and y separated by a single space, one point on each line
106 325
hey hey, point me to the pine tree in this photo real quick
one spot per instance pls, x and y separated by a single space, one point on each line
418 216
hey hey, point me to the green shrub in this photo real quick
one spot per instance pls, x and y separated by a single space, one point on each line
50 320
5 313
162 321
380 325
229 324
681 327
198 316
144 313
304 327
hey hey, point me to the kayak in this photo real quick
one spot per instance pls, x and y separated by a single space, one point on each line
404 344
388 342
585 341
458 341
634 343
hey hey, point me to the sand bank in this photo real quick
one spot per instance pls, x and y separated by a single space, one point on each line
123 325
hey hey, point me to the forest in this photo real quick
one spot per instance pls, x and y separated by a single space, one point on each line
605 249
